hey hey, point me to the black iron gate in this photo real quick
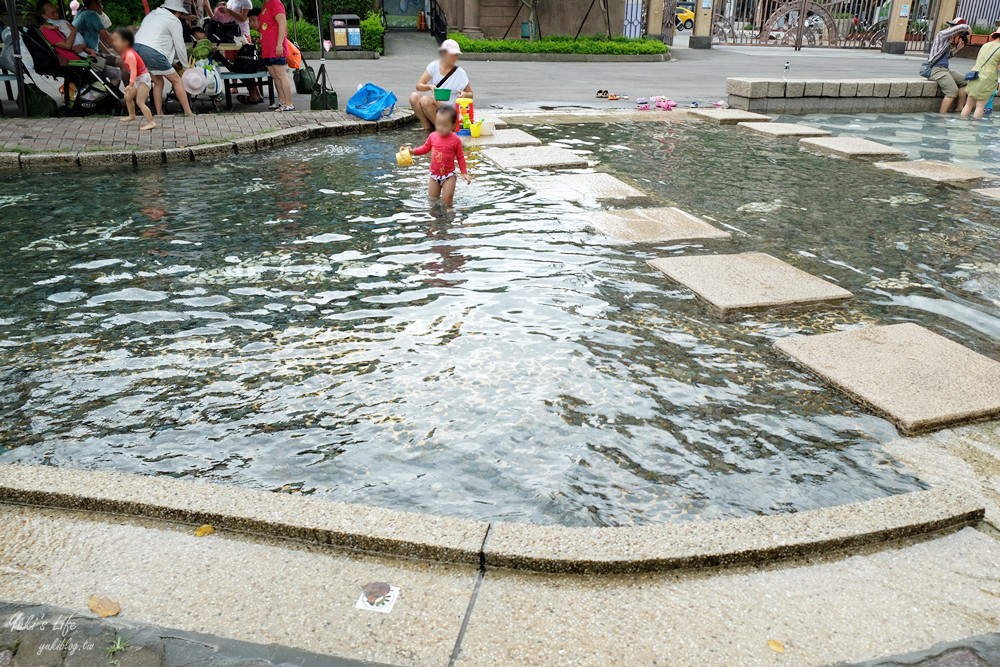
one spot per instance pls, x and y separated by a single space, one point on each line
850 24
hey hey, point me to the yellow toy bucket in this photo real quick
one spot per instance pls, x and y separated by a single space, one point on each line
476 128
404 159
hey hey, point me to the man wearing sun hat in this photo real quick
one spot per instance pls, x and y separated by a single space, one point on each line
444 74
951 83
160 43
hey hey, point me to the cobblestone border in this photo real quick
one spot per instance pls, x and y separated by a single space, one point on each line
753 540
201 152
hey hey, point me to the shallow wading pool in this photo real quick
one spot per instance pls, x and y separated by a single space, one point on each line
301 321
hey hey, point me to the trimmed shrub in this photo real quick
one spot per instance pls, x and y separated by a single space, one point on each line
618 46
371 33
308 35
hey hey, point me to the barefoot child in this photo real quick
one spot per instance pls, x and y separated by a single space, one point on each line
445 148
139 81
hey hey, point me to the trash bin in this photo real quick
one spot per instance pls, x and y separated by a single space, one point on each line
346 31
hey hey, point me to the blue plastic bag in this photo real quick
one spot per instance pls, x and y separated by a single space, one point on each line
371 103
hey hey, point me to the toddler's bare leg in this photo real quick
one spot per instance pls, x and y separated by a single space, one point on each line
448 191
433 189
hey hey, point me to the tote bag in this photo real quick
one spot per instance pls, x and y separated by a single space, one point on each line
371 103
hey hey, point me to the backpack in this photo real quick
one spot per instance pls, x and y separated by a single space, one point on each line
37 103
304 79
7 54
222 32
371 103
247 60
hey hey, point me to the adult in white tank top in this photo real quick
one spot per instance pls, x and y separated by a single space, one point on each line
442 73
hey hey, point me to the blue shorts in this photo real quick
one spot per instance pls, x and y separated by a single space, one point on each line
156 62
272 62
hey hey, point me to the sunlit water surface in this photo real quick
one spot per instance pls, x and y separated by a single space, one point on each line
302 321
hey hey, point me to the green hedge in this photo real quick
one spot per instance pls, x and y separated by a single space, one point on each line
307 33
618 46
371 33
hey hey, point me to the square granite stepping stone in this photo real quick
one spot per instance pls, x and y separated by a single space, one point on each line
728 116
989 193
534 157
748 281
778 130
648 225
934 170
505 138
585 187
914 377
850 147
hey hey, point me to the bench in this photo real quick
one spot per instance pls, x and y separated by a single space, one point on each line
233 80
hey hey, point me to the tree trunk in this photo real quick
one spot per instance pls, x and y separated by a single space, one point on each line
669 21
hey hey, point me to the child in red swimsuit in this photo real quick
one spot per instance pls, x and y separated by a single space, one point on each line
446 149
139 81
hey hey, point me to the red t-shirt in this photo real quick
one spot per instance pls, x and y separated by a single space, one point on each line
133 62
269 28
445 151
54 36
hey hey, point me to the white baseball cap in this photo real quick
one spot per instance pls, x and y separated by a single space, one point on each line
451 46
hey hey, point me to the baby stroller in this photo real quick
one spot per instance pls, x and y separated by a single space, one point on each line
94 94
202 79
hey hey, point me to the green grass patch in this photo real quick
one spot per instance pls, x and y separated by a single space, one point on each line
597 46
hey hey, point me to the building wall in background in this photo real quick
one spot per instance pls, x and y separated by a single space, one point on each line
555 17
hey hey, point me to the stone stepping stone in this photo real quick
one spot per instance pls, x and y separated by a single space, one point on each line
728 116
649 225
534 157
778 130
934 170
748 281
505 138
853 147
990 193
914 377
585 187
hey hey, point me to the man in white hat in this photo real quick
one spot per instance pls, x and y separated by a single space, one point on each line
443 73
160 43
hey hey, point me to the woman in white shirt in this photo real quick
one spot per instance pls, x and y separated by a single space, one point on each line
160 43
442 73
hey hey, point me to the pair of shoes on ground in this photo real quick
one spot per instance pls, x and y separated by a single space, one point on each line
278 106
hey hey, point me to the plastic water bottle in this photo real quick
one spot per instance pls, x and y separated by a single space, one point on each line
788 65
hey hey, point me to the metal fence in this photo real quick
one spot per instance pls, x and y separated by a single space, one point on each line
979 12
852 24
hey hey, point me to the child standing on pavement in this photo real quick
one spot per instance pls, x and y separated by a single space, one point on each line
139 81
446 149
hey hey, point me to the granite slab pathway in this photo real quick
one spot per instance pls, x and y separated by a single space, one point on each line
504 138
851 147
935 170
823 611
780 130
916 378
586 188
727 116
650 225
534 157
255 590
748 281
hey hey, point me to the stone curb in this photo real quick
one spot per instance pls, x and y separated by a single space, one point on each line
555 549
200 152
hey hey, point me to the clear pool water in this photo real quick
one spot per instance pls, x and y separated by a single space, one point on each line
301 321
